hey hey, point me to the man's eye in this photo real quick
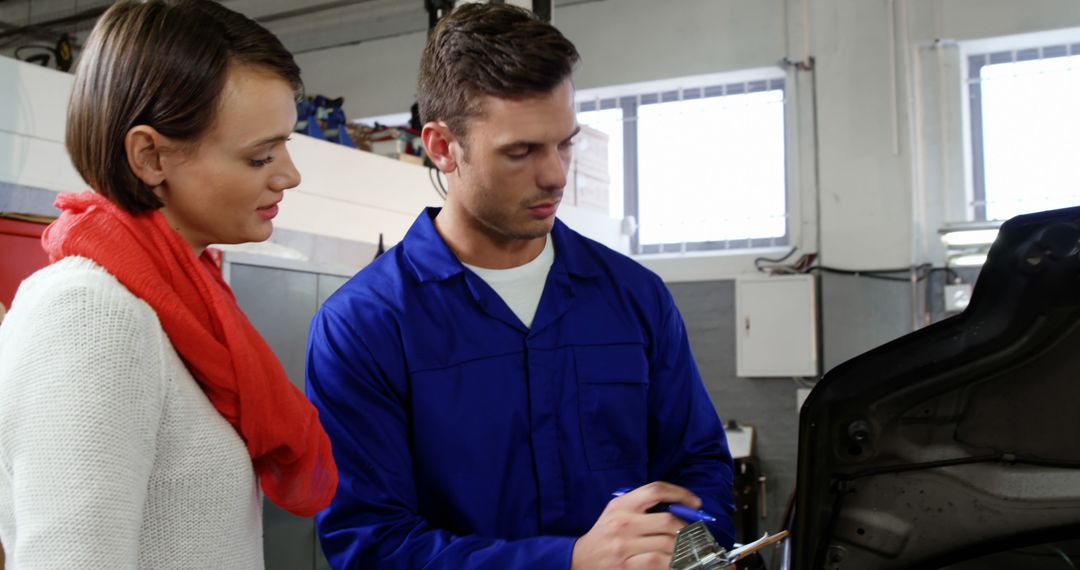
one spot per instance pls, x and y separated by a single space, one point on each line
518 153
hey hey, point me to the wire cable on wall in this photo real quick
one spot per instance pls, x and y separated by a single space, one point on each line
807 264
435 176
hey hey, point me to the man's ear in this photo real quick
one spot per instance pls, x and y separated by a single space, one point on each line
438 141
144 147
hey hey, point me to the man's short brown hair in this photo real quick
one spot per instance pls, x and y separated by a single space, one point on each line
160 63
489 49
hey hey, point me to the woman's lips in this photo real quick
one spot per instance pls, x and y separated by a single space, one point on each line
268 212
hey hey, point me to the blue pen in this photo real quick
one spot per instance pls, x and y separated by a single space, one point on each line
688 514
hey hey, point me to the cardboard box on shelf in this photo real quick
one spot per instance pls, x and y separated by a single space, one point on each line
389 147
591 150
589 181
590 192
411 158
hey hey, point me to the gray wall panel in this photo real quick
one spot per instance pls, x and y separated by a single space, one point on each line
859 313
280 304
20 199
288 540
708 309
327 285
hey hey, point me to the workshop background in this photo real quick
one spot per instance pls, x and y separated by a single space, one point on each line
812 178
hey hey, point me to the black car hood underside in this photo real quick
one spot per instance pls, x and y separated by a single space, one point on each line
960 438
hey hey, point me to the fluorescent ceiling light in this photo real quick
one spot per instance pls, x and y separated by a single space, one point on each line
954 238
969 260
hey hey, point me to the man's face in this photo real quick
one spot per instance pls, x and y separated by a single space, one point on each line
512 164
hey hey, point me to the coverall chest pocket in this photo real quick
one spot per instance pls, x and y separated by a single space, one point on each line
613 385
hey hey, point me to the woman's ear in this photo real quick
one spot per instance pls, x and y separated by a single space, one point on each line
437 140
144 147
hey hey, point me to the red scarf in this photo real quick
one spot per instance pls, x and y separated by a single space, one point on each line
222 350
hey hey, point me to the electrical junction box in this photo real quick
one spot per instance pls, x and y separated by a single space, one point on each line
776 326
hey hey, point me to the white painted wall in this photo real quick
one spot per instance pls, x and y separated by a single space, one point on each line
352 194
621 41
891 132
33 107
975 19
865 172
344 192
376 78
358 195
890 151
889 137
628 41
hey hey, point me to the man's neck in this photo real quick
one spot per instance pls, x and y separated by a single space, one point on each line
476 244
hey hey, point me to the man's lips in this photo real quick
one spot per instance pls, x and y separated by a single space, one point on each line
544 209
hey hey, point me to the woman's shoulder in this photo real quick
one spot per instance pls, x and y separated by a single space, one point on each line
70 272
72 277
79 288
74 329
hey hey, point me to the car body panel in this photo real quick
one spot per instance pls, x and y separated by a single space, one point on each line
960 438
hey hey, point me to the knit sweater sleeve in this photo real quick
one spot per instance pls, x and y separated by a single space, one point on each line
82 390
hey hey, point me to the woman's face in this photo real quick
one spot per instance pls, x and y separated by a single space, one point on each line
227 187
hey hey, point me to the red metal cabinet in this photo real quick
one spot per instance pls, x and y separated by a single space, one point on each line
20 255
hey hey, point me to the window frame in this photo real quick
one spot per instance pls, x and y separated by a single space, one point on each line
977 54
630 97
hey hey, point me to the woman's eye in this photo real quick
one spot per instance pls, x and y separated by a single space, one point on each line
260 162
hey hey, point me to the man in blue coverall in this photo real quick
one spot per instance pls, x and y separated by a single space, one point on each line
491 380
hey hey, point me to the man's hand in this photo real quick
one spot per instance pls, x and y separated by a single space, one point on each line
627 537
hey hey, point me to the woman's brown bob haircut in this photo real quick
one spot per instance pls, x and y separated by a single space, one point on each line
489 49
160 63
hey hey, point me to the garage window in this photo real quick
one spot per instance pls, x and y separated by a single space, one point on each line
699 168
1024 125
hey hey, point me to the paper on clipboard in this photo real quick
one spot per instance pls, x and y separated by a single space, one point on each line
747 549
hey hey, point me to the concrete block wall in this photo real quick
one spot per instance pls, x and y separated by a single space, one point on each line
708 309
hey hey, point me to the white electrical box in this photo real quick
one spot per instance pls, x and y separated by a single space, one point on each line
776 326
957 297
800 398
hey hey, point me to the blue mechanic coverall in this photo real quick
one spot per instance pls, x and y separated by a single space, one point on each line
466 440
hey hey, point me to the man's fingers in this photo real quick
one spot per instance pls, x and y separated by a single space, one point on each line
632 525
663 523
648 496
659 543
649 561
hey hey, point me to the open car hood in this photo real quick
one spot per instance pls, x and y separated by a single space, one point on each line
959 439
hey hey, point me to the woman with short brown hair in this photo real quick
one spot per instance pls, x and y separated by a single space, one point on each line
142 417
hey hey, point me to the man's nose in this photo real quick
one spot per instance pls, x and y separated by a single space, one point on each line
552 170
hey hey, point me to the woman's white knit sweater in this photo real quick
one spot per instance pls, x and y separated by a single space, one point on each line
111 456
